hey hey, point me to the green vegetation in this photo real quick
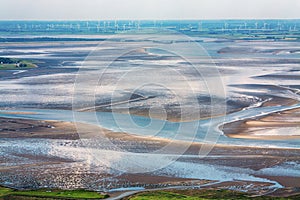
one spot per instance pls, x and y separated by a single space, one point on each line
189 194
6 193
161 196
200 195
12 63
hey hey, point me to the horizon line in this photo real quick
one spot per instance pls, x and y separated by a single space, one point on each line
211 19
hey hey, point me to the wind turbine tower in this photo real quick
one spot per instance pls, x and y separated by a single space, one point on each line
138 24
116 26
279 26
226 26
200 26
98 26
265 26
88 26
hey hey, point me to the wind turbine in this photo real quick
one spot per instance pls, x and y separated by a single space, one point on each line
279 26
226 26
200 26
98 26
265 26
116 25
87 25
138 25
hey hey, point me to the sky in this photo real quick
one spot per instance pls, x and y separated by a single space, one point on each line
148 9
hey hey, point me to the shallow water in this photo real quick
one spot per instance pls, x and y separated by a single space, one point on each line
104 162
248 80
144 126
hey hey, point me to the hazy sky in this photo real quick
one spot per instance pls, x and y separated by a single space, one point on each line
147 9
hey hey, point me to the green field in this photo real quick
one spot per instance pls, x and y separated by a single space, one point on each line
189 194
200 195
6 193
15 64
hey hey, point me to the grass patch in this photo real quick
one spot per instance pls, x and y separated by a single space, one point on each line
15 64
161 195
201 195
6 193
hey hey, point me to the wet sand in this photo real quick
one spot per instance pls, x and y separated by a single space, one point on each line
51 86
222 155
24 128
276 126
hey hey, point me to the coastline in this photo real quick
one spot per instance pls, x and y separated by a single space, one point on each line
232 156
258 153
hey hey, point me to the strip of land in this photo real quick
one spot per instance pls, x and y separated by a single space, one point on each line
277 126
15 64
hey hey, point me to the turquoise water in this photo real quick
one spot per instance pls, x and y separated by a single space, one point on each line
200 131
